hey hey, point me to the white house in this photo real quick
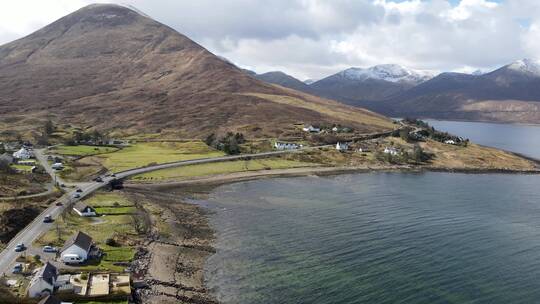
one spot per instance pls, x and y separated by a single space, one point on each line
57 166
311 129
23 153
43 281
76 249
286 146
83 209
391 151
342 146
450 142
335 129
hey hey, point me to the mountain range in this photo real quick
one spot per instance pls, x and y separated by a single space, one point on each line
112 68
508 94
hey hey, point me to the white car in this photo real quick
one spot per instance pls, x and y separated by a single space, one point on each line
49 249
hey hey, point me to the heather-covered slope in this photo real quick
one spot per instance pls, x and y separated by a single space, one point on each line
110 67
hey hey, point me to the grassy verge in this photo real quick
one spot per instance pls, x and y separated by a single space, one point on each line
82 150
144 154
187 172
116 225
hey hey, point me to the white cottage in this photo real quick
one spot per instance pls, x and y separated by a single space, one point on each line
83 209
286 146
311 129
342 146
391 151
450 142
43 281
23 153
76 249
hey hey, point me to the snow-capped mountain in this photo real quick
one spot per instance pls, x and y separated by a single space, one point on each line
355 85
527 66
388 72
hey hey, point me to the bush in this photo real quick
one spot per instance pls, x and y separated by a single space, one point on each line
111 242
84 276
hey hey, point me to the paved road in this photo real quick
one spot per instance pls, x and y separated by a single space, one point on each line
33 230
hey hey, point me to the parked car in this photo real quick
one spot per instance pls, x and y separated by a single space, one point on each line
98 179
18 268
49 249
79 190
76 195
59 204
62 185
113 175
47 218
19 247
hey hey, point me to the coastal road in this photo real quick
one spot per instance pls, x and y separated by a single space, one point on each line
37 227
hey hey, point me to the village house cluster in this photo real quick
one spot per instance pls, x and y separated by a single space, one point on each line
79 249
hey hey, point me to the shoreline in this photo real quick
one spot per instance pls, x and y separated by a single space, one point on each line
234 177
192 253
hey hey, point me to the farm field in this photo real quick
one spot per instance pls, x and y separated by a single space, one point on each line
144 154
186 172
82 150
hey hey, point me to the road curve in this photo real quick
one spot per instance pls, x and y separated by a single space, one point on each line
37 227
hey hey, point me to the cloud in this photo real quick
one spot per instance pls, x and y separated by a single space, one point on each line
314 38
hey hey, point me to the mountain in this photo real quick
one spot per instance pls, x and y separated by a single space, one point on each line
310 81
114 69
508 94
284 80
357 85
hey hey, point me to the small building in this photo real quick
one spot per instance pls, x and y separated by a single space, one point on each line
286 146
23 153
391 151
450 142
83 209
335 129
76 249
342 146
311 129
43 281
57 166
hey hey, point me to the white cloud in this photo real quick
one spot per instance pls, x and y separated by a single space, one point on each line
313 38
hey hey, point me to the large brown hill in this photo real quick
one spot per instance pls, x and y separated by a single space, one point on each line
112 68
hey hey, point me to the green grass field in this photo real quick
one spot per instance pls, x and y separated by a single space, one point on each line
23 168
144 154
100 229
115 210
186 172
82 150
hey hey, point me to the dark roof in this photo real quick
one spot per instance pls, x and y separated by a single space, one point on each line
49 300
81 206
81 240
48 273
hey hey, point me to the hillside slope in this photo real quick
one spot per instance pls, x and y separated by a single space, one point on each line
112 68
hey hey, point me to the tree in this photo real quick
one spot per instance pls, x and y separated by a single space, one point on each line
2 149
137 220
48 128
210 139
419 155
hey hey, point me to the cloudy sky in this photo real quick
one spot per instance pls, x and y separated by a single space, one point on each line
315 38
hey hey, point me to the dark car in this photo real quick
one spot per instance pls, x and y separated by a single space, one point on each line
47 219
20 247
59 204
79 190
98 179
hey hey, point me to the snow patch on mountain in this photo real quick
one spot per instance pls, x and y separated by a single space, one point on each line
529 66
388 72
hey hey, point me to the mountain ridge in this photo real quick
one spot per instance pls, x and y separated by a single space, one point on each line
112 68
